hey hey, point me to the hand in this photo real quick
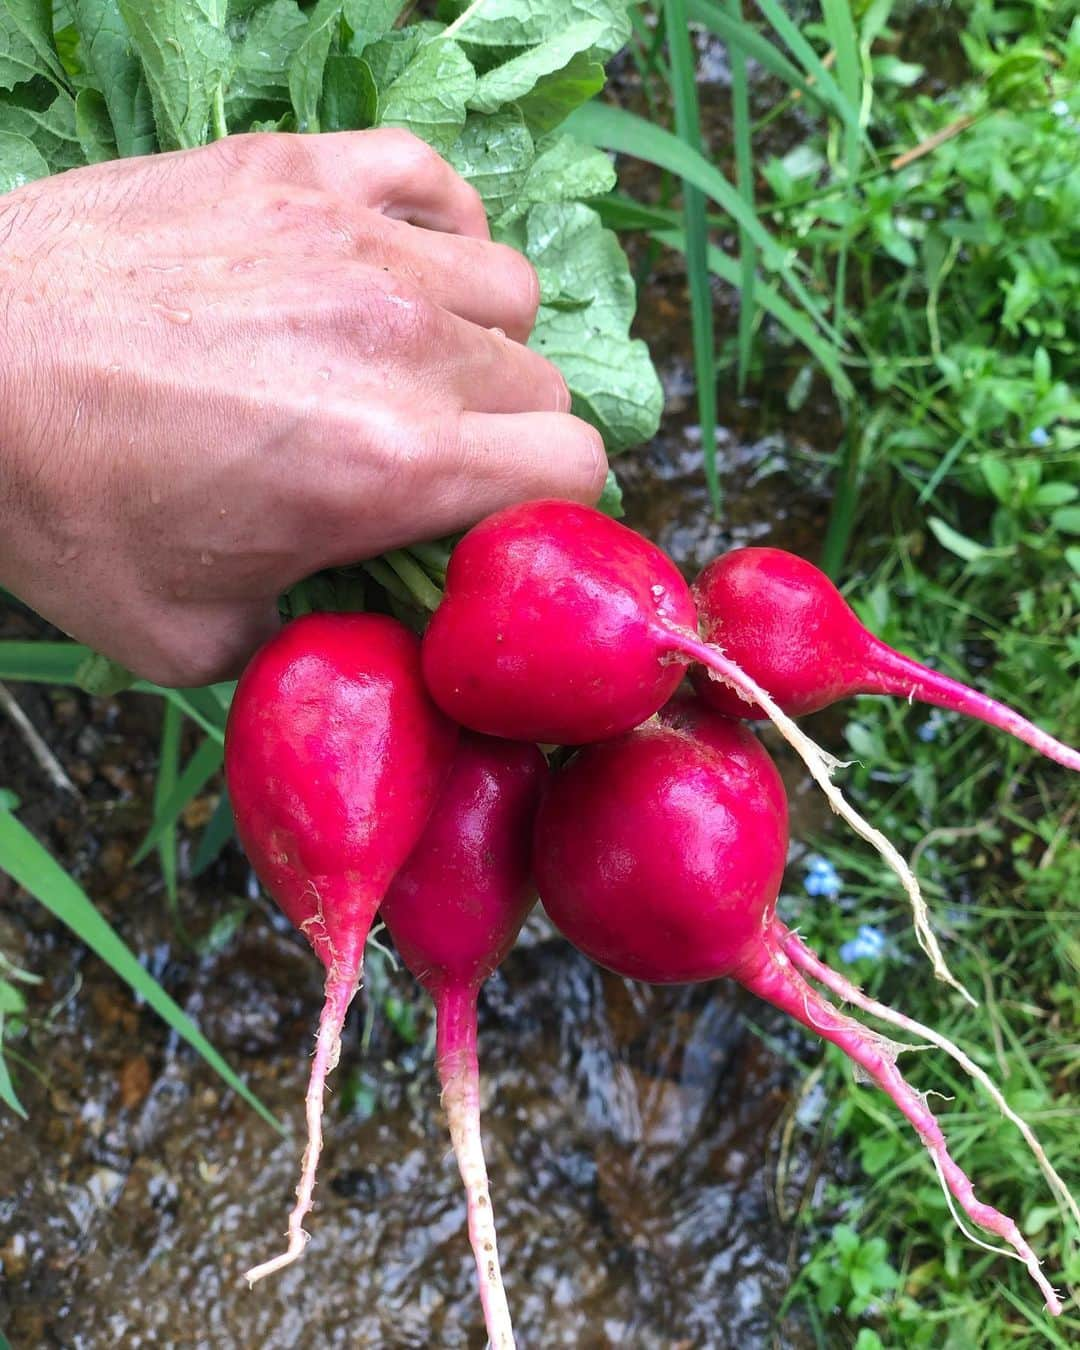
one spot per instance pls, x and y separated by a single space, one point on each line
225 368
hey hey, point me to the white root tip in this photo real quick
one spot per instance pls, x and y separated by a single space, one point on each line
297 1242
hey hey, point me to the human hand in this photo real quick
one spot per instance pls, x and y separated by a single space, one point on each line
225 368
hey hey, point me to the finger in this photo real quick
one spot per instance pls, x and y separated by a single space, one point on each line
489 284
489 373
419 481
393 171
506 459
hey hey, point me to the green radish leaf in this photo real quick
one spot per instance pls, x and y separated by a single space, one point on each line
370 19
389 57
308 63
260 76
34 19
19 58
559 94
20 162
106 46
564 170
34 869
51 129
429 96
499 26
519 76
611 502
170 802
94 128
495 155
186 57
611 378
350 100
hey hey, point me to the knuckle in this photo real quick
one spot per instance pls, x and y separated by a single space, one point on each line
408 149
270 154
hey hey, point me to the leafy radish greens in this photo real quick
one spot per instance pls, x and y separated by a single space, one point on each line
82 81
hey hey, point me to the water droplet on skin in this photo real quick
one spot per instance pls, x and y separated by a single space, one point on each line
323 374
180 316
206 557
113 369
223 512
657 592
497 331
66 556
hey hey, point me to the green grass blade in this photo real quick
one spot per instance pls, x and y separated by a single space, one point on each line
35 869
624 132
844 41
41 662
58 662
220 828
789 32
7 1092
744 182
688 128
740 36
773 303
180 789
201 705
172 723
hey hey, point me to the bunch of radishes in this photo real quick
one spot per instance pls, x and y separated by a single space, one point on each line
658 848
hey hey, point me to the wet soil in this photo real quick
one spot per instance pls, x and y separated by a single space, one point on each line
634 1135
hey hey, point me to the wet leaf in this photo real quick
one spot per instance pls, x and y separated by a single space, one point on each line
116 71
495 155
611 378
429 96
20 162
186 57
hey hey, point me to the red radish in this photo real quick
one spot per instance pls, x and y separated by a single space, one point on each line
660 855
562 626
787 626
454 911
334 757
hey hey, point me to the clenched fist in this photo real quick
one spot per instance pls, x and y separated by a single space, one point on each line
225 368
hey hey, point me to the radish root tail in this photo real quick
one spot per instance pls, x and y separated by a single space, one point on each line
821 767
779 982
461 1101
809 963
339 995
